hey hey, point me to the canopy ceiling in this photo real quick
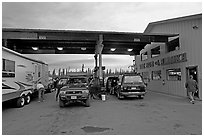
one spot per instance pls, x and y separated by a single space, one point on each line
77 42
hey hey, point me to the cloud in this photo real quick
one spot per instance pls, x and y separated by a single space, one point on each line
112 16
109 16
108 62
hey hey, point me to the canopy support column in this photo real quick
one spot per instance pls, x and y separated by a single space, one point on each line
98 52
100 49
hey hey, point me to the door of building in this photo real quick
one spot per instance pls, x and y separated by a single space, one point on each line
193 70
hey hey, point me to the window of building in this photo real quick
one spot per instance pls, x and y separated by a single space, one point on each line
146 77
144 56
156 75
8 68
173 44
155 52
174 74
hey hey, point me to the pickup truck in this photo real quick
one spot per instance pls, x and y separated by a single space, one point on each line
75 89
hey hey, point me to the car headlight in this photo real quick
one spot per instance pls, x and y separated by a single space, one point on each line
62 92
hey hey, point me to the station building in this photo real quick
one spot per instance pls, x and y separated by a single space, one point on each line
167 66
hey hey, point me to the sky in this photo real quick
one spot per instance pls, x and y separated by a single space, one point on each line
98 16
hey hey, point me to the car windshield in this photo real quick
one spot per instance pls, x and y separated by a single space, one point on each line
132 79
77 81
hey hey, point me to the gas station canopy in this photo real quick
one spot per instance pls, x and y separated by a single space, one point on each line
42 41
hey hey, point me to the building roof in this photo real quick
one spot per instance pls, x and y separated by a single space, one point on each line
152 24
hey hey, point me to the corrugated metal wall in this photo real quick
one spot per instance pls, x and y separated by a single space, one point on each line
191 43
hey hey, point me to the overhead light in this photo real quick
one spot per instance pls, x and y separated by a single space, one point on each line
35 48
113 49
83 48
129 50
60 48
136 40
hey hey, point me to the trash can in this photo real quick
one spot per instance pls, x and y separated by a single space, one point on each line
103 97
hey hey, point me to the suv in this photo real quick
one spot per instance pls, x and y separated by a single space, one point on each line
75 90
130 85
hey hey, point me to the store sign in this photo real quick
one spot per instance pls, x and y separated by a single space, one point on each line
174 59
165 61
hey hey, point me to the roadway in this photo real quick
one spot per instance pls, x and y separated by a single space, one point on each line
156 114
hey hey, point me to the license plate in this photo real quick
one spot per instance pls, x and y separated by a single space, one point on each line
133 88
73 97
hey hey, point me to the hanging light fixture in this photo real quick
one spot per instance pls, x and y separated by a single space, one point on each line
129 50
113 49
60 48
35 48
83 48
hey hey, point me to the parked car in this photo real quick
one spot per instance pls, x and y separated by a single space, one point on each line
74 89
130 85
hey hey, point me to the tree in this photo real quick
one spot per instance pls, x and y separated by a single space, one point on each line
63 72
109 71
66 71
120 71
53 73
59 74
106 72
82 69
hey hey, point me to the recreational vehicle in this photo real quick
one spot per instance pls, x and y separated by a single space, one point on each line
20 76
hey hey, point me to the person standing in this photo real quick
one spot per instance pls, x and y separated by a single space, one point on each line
55 83
192 87
41 90
59 85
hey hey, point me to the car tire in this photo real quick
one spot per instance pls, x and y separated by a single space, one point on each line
27 99
87 103
61 103
20 102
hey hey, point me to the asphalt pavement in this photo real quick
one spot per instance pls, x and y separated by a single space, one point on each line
156 114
